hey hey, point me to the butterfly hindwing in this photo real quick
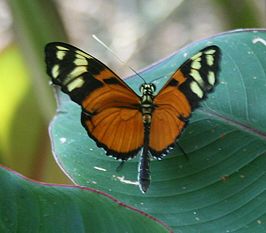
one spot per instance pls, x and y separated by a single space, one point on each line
109 107
180 96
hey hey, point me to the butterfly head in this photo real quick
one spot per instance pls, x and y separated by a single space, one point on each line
147 88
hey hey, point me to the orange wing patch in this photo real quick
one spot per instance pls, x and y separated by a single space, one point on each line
179 77
169 117
112 95
118 130
165 129
112 118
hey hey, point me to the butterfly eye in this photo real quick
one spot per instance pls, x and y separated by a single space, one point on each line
153 87
141 88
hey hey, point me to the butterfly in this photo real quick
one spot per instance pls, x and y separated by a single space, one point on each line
123 122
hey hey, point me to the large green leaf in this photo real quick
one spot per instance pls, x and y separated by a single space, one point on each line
221 188
27 206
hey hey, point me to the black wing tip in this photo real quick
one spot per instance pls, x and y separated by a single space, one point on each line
212 46
50 48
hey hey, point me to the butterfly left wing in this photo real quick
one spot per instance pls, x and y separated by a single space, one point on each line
110 109
189 85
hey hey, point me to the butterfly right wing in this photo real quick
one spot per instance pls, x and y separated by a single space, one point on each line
110 109
183 92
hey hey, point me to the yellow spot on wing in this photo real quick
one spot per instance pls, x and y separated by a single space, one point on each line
196 76
211 77
81 62
77 71
196 56
61 48
76 83
196 64
82 54
55 71
210 60
211 51
60 54
196 89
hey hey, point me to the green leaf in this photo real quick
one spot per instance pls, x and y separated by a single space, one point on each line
221 188
27 206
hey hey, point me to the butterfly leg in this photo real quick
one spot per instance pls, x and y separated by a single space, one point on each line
182 150
120 166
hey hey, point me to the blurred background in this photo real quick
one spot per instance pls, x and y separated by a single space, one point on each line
140 32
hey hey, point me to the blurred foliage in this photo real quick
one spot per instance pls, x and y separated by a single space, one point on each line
27 106
13 111
140 32
240 13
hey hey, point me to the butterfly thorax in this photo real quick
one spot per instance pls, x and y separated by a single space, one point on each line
147 106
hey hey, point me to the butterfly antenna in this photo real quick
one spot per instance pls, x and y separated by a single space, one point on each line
113 53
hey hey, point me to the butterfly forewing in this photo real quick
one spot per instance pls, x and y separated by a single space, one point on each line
110 109
201 74
180 96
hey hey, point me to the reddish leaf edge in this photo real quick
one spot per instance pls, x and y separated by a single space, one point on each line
122 204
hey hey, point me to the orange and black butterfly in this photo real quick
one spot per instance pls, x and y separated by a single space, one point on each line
118 119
